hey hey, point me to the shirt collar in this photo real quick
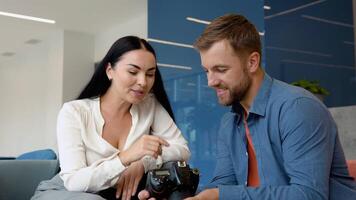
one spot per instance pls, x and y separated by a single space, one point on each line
259 104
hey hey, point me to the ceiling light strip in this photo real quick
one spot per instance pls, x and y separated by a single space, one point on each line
267 7
27 17
319 64
299 51
197 20
327 21
208 22
294 9
170 43
174 66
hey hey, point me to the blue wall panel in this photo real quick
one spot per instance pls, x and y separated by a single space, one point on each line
313 40
195 105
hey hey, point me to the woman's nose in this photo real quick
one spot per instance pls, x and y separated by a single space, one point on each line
142 80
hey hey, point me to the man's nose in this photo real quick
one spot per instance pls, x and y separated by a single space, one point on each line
212 81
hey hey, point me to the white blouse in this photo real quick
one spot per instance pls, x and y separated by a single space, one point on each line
89 163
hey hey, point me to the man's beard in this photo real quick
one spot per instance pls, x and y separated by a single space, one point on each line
239 92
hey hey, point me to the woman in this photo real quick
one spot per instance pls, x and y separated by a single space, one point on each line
120 126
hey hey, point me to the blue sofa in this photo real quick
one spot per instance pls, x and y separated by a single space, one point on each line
20 176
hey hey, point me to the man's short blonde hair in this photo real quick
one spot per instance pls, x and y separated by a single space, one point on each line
236 29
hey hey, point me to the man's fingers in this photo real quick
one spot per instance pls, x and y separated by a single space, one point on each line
143 195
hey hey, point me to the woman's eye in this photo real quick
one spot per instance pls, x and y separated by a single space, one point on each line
150 75
133 72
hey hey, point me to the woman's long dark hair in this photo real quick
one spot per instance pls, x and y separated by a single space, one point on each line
99 82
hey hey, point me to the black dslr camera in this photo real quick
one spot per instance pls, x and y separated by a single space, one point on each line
174 180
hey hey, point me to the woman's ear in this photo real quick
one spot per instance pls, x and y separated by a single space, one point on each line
254 61
109 70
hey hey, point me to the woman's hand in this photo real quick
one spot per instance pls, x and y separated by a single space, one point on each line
146 145
129 180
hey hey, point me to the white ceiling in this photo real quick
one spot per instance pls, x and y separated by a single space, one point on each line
89 16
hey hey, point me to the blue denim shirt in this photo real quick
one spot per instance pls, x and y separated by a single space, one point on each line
298 151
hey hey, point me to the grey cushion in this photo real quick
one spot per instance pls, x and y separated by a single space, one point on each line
19 178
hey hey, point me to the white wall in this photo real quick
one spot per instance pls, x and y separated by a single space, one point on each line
78 63
137 26
24 104
35 85
54 92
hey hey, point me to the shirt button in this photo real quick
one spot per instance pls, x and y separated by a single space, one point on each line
246 153
246 183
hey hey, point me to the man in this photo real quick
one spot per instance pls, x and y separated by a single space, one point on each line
278 141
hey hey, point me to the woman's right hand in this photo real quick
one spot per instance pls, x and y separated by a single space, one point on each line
146 145
129 180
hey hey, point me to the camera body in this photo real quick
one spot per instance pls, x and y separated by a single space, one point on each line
174 180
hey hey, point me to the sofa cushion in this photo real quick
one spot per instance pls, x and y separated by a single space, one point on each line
44 154
19 178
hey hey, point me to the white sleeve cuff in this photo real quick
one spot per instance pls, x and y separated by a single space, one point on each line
150 163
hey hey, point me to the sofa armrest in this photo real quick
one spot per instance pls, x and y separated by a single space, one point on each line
19 178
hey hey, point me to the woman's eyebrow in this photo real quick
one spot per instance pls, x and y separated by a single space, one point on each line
133 65
138 67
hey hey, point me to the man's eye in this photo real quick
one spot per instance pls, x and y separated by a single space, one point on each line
221 70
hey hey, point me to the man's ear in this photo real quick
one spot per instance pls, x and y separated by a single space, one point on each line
253 61
109 70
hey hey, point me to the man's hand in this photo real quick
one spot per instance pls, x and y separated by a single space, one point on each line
209 194
129 180
144 195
